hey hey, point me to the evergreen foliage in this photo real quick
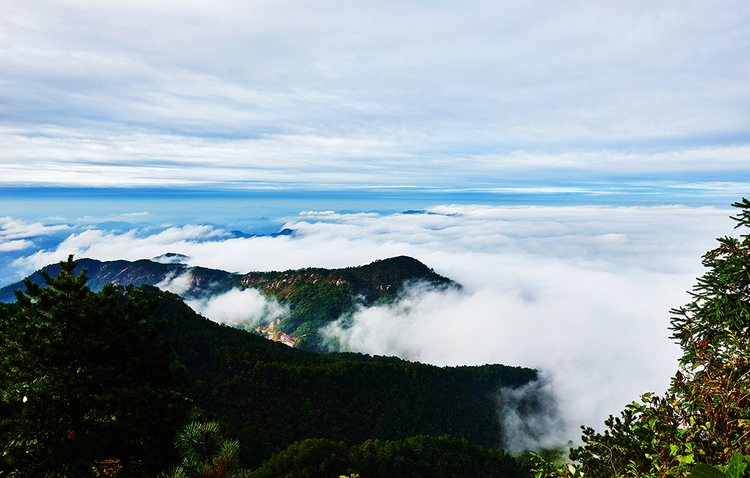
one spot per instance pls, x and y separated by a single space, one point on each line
415 457
206 453
84 387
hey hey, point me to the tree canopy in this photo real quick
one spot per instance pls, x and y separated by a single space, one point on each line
415 457
85 389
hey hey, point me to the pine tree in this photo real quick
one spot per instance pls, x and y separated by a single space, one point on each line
207 454
85 389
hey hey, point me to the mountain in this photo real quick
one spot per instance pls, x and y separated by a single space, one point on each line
269 395
204 281
317 296
313 296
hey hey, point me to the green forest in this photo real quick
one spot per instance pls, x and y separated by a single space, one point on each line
129 381
99 381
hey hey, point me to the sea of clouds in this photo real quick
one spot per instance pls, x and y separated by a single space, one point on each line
581 293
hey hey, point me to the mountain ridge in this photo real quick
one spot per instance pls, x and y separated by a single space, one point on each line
269 396
313 296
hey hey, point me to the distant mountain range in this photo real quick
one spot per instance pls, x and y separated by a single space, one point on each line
144 272
313 296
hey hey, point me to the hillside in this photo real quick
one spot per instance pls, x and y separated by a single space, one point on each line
270 395
91 349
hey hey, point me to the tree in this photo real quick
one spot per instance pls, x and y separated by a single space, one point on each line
418 456
705 416
84 387
207 454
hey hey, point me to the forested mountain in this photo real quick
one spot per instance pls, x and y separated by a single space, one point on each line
271 395
313 296
317 296
84 361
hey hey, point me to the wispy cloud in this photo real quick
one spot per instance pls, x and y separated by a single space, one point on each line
17 229
314 162
15 245
378 93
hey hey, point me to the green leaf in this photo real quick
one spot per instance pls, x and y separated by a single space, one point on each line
706 471
737 465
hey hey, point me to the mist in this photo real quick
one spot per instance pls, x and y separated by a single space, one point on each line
247 308
580 293
238 307
530 417
597 341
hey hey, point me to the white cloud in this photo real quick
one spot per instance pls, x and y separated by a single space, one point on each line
16 229
16 235
316 161
15 245
132 245
582 293
246 307
177 283
339 94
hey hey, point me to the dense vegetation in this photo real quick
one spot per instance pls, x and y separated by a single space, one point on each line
84 385
206 453
417 457
702 425
91 384
270 395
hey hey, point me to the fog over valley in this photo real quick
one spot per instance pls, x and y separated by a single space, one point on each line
581 293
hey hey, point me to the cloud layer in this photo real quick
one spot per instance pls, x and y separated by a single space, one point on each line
581 293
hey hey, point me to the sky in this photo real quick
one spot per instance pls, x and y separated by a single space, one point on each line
649 98
568 162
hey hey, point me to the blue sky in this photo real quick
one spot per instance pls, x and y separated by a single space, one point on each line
647 100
